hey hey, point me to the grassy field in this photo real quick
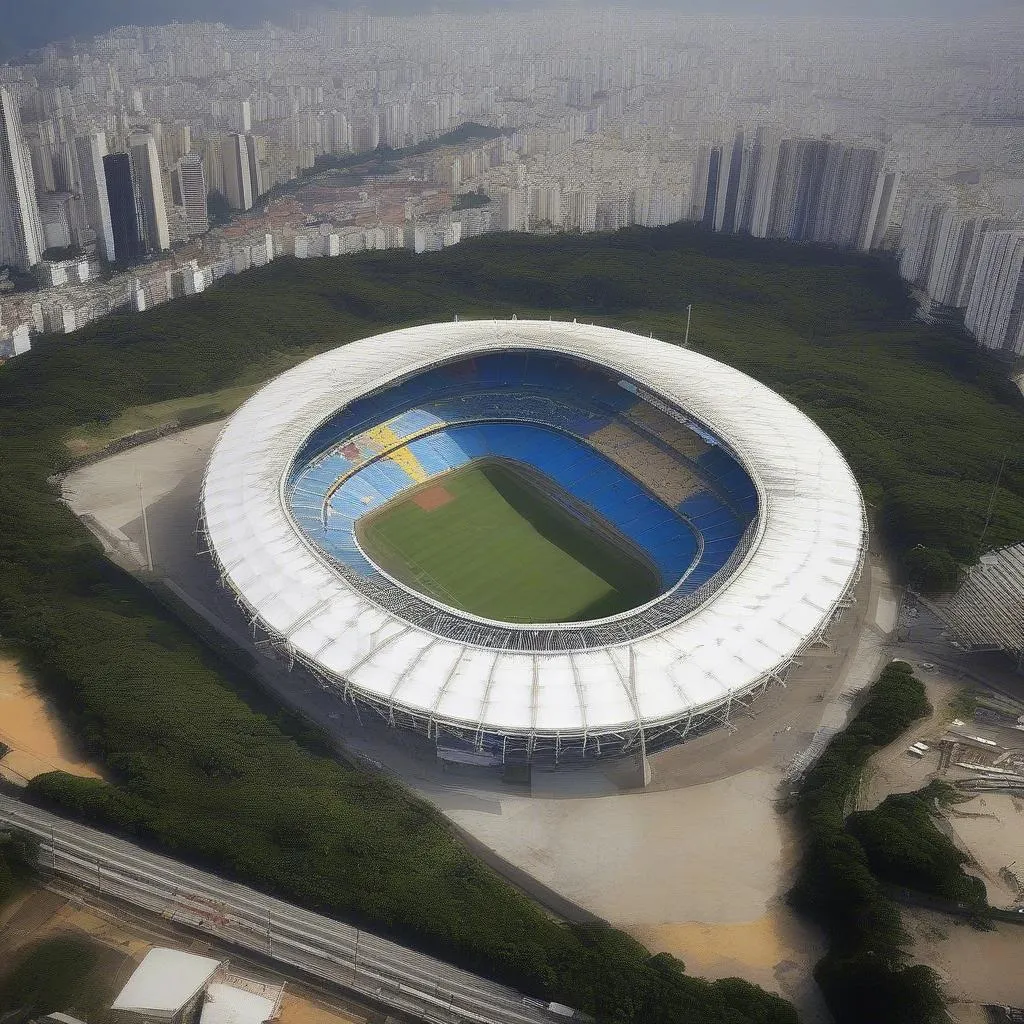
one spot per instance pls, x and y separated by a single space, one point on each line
90 438
88 441
485 539
66 972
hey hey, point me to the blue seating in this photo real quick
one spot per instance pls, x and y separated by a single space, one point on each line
413 421
729 476
528 406
387 478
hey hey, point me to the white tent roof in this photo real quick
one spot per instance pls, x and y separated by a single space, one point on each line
226 1004
165 981
803 560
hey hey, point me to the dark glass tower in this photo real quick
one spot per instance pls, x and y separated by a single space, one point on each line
124 216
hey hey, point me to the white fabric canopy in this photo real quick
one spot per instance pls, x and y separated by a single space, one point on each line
802 563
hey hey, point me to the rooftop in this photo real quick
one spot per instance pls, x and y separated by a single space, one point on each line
165 981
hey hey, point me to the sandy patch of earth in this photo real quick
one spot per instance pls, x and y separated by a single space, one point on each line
991 828
776 951
296 1010
975 966
37 738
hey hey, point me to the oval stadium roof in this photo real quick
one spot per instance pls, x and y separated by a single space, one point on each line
802 562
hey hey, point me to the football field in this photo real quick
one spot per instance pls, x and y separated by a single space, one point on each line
487 540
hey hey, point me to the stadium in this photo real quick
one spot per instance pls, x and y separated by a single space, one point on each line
533 541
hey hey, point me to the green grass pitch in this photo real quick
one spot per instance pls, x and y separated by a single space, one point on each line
485 539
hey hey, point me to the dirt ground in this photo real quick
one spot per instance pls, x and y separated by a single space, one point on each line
298 1010
968 1013
37 738
773 951
991 828
975 966
892 769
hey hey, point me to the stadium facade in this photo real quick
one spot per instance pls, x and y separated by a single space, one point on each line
748 511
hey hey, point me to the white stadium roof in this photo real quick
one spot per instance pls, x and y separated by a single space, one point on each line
804 555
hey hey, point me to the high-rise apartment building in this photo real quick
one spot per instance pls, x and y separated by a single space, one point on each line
190 185
921 229
124 210
764 158
21 230
731 218
91 149
879 216
255 168
175 142
995 312
149 191
243 176
982 225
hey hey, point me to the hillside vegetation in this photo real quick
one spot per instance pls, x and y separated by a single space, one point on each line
923 416
201 774
847 863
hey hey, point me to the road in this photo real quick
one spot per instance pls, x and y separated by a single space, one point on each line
398 978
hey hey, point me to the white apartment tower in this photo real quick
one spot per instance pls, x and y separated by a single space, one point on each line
21 230
190 184
156 235
995 312
880 214
764 168
243 177
91 149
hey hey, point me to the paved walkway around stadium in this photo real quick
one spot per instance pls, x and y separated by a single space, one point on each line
697 865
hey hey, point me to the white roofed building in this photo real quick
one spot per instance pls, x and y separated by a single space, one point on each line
169 985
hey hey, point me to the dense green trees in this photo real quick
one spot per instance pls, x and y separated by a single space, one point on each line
200 773
924 417
17 859
865 975
906 848
48 977
933 569
470 200
218 209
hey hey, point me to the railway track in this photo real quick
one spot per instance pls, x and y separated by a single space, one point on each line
392 975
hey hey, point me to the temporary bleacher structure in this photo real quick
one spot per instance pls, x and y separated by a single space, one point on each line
988 609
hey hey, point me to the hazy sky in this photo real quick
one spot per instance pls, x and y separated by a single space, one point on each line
28 23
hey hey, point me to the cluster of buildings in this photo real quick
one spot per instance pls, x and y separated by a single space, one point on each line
171 986
805 130
965 257
815 190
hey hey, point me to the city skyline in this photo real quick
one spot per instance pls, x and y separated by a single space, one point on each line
592 120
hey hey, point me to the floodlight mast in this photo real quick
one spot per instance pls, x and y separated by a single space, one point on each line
145 524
